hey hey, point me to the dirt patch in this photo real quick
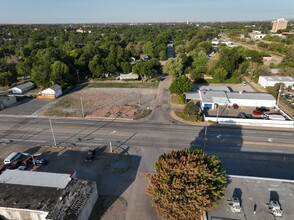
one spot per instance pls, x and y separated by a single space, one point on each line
101 102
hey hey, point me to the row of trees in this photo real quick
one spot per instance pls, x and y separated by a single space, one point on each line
36 50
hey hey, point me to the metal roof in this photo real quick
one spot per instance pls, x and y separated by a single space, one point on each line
213 88
250 95
223 97
192 95
279 78
33 178
24 86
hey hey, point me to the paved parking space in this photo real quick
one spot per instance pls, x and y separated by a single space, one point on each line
225 111
27 106
255 193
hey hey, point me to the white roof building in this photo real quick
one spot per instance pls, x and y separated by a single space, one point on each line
210 99
52 92
22 88
128 76
38 195
266 81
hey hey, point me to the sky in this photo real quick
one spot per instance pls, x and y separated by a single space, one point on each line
112 11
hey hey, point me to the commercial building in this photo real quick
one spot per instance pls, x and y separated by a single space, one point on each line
266 81
279 24
211 99
40 195
22 88
254 195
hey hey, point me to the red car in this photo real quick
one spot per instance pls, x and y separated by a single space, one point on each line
257 112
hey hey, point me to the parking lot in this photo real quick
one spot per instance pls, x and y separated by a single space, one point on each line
226 111
113 172
27 106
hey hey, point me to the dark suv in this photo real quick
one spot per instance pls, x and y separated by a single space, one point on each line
262 109
90 156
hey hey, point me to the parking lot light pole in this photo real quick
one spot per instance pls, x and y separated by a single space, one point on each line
52 132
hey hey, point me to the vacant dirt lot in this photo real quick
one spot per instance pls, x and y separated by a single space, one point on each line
102 102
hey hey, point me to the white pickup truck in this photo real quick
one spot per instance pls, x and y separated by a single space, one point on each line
274 117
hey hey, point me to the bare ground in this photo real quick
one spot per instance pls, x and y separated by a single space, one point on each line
105 102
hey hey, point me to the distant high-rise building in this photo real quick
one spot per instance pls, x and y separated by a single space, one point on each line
279 24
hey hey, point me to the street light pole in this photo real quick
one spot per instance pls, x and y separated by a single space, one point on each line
52 132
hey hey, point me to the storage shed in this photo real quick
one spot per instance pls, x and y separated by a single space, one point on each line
22 88
51 93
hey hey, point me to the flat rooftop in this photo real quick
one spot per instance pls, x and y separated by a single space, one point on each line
60 203
279 78
31 178
28 197
255 191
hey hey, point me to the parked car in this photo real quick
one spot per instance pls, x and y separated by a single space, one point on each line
22 168
39 161
235 106
242 115
262 108
249 116
26 162
90 156
257 112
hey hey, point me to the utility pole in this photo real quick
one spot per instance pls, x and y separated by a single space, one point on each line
82 104
52 132
205 132
279 94
217 114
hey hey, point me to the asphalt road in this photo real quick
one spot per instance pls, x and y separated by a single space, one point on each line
264 153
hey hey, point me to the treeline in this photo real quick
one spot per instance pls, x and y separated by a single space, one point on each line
66 54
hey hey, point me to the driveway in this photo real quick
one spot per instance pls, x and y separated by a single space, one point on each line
26 106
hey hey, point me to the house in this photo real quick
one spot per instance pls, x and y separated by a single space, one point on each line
51 93
256 35
266 81
44 196
129 76
6 101
22 88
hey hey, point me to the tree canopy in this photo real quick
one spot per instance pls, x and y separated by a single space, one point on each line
185 184
180 85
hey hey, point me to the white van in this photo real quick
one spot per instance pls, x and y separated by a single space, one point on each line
12 157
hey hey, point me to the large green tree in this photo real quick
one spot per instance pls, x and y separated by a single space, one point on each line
180 85
174 67
60 73
185 184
